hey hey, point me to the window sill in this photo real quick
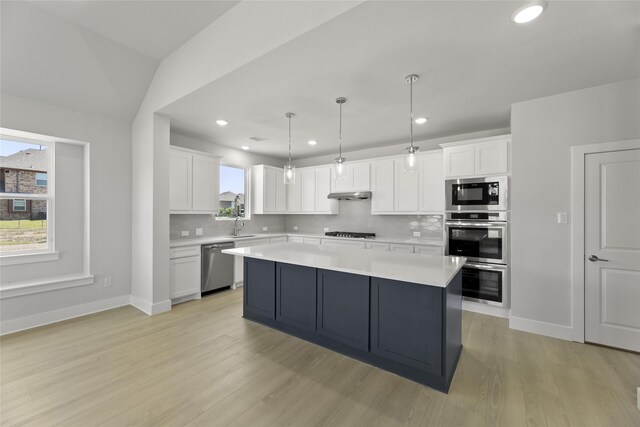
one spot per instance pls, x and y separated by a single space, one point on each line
45 285
28 258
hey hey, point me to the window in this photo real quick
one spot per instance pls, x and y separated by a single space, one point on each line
41 179
232 191
25 197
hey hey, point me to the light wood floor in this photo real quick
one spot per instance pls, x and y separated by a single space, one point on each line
202 364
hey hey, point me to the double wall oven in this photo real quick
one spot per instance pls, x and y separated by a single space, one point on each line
477 228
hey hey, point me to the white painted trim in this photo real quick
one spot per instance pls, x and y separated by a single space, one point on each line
487 309
41 319
150 308
476 141
29 287
578 153
542 328
186 298
28 258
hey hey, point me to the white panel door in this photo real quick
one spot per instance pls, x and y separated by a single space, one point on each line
459 161
492 158
308 178
180 164
294 195
406 188
431 184
361 179
323 188
184 276
269 190
345 183
206 173
382 186
281 192
612 249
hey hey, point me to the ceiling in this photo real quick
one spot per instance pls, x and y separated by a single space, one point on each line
94 56
472 60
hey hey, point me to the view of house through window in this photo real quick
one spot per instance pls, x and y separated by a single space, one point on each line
232 191
24 171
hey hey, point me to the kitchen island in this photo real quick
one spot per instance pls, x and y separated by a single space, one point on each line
399 312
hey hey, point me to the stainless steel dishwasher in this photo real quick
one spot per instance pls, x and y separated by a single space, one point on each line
217 268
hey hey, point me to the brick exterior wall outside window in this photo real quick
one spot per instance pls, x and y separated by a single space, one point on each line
22 181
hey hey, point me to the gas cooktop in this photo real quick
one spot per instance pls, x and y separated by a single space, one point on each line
350 234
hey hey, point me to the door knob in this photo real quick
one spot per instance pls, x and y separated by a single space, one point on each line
594 258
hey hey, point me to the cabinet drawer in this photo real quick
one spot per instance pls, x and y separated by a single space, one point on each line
184 251
278 239
296 239
342 243
396 247
428 250
377 246
312 240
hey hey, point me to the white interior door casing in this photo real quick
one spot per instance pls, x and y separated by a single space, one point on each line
612 233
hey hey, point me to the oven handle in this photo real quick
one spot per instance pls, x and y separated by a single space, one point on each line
477 224
492 267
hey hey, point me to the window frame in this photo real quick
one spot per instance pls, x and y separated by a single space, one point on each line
49 196
247 192
13 205
46 179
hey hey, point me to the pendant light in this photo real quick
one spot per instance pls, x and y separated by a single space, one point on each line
338 163
289 169
410 159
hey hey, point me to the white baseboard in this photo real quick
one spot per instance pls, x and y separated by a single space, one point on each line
488 309
186 298
41 319
150 308
542 328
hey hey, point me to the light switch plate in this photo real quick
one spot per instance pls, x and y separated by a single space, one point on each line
184 233
417 234
198 231
562 217
326 229
265 228
295 228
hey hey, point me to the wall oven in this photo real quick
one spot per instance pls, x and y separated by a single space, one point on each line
481 237
477 194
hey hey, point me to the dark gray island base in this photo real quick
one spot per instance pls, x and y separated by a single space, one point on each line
412 330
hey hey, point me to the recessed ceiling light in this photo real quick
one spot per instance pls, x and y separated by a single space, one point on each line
528 12
312 142
246 148
421 120
221 122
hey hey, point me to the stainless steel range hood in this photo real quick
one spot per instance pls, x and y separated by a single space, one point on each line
351 195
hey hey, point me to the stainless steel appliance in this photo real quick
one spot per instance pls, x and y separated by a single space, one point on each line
351 195
217 268
477 194
481 237
350 234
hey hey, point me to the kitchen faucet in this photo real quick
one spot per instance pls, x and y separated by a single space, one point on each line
235 226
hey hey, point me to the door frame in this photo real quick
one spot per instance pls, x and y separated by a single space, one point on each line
578 157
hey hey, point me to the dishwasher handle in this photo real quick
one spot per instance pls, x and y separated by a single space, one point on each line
225 245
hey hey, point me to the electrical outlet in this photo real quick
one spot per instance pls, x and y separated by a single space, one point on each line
417 234
184 233
107 281
326 229
198 231
562 217
265 228
295 228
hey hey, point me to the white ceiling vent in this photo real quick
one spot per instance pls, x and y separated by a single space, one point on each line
257 138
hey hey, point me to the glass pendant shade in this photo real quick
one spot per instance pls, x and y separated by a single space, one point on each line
410 155
411 160
339 168
289 174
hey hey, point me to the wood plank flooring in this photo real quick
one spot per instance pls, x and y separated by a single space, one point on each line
202 364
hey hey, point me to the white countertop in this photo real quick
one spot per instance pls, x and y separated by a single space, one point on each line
431 270
217 239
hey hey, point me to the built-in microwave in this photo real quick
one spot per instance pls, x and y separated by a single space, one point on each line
477 194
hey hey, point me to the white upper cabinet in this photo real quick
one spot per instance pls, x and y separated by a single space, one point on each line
308 181
308 195
481 157
431 182
382 186
323 188
193 182
356 178
406 188
294 194
268 192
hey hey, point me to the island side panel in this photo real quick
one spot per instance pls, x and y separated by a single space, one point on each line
453 326
343 308
259 289
296 296
407 323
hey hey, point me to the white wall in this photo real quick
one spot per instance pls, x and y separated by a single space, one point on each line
543 131
110 206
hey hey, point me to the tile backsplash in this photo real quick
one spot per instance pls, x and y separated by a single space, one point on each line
355 215
212 227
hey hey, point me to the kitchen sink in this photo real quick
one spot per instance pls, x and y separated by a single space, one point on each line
243 236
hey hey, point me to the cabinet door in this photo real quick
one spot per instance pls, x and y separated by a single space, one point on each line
459 161
259 288
296 296
269 190
281 192
311 240
206 173
308 178
294 195
377 246
405 188
295 239
406 323
184 276
342 243
361 177
431 183
323 188
345 183
492 158
343 308
428 250
180 180
382 186
398 247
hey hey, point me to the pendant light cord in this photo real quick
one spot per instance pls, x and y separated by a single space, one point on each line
340 133
289 140
411 111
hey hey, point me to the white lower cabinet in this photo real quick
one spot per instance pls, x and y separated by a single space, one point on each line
278 239
184 272
312 240
296 239
428 250
376 246
399 247
342 243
